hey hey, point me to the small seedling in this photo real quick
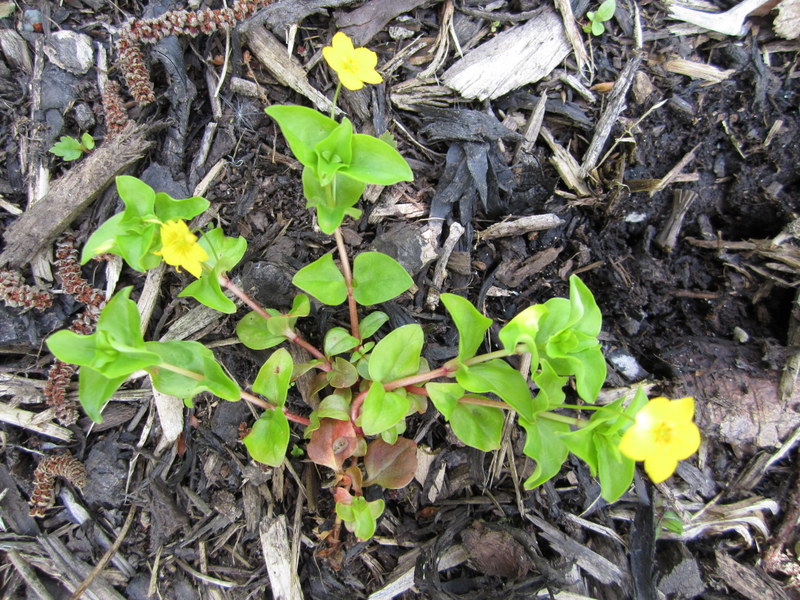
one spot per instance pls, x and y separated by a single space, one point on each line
596 19
70 148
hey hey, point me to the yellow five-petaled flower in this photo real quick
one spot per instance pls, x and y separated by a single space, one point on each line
662 434
179 247
354 66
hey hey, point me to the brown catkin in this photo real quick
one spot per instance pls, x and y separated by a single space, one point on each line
114 109
16 293
175 22
43 494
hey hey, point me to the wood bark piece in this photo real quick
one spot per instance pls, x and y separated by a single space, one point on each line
573 34
363 23
71 194
614 107
278 558
170 417
668 236
730 22
402 578
514 58
787 23
287 70
566 165
440 271
746 580
520 226
30 421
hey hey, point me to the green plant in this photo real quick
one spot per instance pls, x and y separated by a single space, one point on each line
596 19
70 148
369 386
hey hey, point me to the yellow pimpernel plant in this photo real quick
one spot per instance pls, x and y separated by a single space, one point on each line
663 434
354 66
179 247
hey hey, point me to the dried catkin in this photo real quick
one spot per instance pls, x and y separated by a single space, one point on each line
175 22
16 293
114 109
43 494
60 373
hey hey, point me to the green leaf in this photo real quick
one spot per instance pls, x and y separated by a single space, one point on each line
334 152
334 406
478 426
551 388
606 10
333 202
274 377
498 377
338 340
614 470
269 438
390 466
87 141
543 444
254 333
397 355
193 357
323 280
585 316
471 324
303 129
589 368
69 347
168 208
374 161
522 330
361 516
67 148
301 306
382 410
343 374
370 324
94 390
224 253
598 28
377 278
133 233
583 445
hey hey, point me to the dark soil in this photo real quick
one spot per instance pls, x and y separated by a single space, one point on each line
708 318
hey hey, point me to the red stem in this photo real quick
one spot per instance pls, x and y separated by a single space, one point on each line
255 400
290 334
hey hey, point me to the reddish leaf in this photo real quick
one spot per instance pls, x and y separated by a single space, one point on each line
391 465
333 443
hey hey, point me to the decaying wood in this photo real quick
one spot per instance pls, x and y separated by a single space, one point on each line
614 107
514 58
170 417
28 575
440 271
287 70
520 226
566 165
532 128
698 70
15 50
787 23
730 22
71 194
71 571
668 236
402 578
363 23
675 171
283 577
573 34
791 367
596 565
32 422
746 580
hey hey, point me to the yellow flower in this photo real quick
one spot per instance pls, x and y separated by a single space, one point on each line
179 247
662 434
354 66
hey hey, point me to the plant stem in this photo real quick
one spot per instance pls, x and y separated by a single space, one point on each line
551 416
251 398
290 334
443 371
348 280
335 99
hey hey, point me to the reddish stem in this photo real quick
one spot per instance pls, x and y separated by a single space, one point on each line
290 334
255 400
